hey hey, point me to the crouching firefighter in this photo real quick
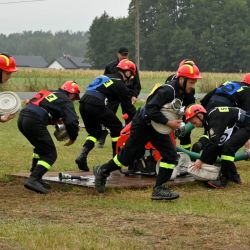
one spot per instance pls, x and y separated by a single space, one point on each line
143 132
228 130
94 112
48 108
230 94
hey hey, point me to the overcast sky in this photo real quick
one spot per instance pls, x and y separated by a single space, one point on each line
56 15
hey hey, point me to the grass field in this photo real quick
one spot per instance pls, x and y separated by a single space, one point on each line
79 218
36 79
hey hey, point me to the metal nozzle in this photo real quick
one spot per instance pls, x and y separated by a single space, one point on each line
64 176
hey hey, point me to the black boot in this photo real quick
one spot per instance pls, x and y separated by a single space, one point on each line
102 173
102 139
234 176
236 179
218 184
223 178
81 160
163 193
44 183
34 181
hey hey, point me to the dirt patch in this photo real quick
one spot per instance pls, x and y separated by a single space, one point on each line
150 229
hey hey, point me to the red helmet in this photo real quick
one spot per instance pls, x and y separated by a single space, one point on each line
71 87
7 63
126 64
246 78
188 71
193 110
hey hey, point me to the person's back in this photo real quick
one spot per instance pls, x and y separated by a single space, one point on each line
47 108
231 94
95 113
114 89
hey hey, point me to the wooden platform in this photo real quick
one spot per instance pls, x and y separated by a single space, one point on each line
116 179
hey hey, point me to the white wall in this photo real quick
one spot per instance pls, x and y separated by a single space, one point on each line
55 65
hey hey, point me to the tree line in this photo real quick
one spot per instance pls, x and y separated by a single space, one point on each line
45 44
215 34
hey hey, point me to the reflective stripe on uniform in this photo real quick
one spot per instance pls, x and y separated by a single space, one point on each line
205 136
91 138
186 146
166 165
35 156
44 164
115 139
223 109
227 158
117 162
108 83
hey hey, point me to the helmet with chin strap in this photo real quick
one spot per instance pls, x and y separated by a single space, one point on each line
71 87
126 64
194 110
188 71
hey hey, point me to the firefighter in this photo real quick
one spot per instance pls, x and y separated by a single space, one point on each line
7 67
231 94
142 132
228 130
48 108
94 112
133 85
185 141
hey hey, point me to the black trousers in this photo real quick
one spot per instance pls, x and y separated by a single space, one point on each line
94 116
229 148
38 135
236 141
114 105
140 134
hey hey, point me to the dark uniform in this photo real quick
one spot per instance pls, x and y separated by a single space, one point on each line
230 94
134 85
46 108
228 130
94 112
143 132
188 99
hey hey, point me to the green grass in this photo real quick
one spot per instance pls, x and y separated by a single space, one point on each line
36 79
79 218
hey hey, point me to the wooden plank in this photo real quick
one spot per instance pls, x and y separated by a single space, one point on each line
116 179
